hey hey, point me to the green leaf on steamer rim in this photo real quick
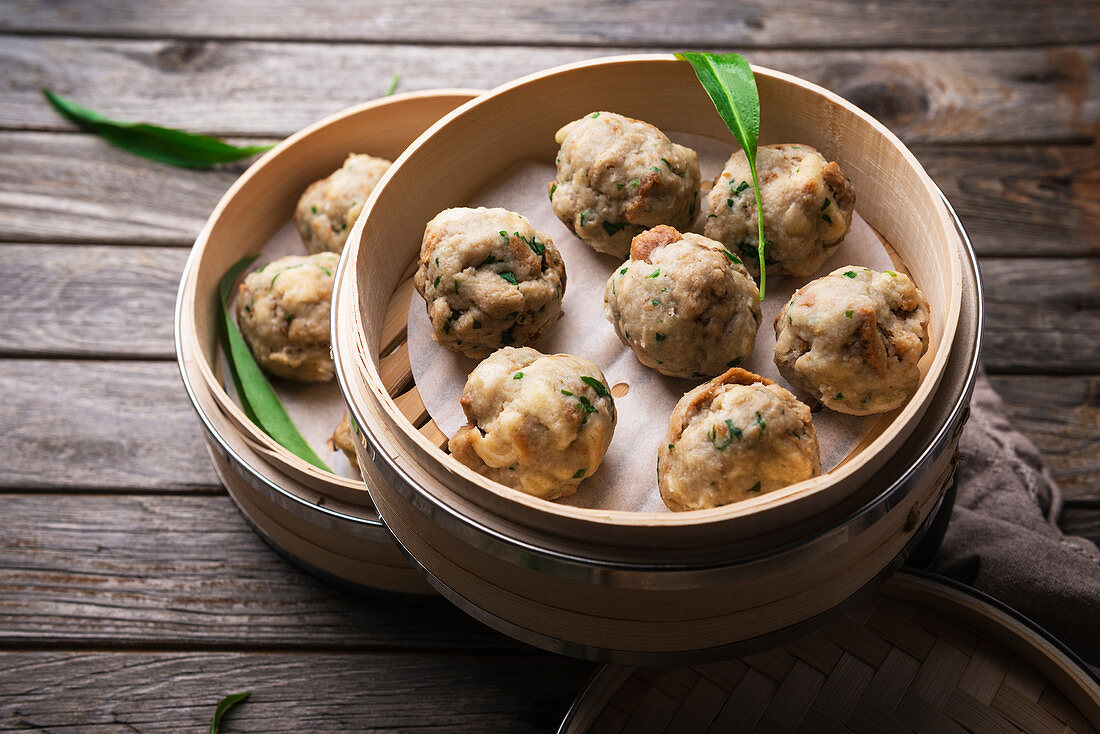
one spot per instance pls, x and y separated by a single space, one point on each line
729 81
164 144
223 707
258 398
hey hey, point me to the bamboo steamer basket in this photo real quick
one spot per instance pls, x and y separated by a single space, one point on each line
323 522
342 542
649 588
923 655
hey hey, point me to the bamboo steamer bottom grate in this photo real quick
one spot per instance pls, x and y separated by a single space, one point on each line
919 656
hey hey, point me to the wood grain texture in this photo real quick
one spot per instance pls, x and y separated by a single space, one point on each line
129 425
77 188
99 425
1037 201
1042 315
134 571
125 571
225 87
76 301
1062 416
101 692
147 607
1082 518
89 300
749 24
1013 200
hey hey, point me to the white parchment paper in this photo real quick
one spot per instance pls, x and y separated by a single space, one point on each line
627 478
315 408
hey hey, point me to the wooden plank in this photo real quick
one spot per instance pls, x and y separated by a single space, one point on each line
1062 416
1042 315
125 425
76 188
99 425
138 570
1013 200
1022 200
89 300
100 692
1082 518
243 87
747 24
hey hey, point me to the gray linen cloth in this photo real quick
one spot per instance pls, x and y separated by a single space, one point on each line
1003 537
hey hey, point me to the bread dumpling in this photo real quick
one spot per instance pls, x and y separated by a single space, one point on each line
489 279
684 304
852 339
538 423
736 437
618 176
329 207
283 311
343 438
808 205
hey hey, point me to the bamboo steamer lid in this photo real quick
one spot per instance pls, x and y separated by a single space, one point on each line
323 522
649 588
922 655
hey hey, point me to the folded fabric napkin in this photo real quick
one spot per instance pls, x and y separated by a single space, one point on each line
1003 537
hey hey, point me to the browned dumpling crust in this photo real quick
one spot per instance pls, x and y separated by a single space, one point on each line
538 423
618 176
344 439
808 205
736 437
283 312
329 207
852 339
489 279
684 304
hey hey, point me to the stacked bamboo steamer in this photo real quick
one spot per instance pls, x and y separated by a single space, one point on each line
922 656
650 588
324 522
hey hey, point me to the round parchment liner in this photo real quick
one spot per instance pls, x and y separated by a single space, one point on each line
627 477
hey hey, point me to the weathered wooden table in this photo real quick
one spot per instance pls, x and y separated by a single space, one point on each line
133 596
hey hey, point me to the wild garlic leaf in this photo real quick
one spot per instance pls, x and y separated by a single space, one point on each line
164 144
729 81
257 397
223 706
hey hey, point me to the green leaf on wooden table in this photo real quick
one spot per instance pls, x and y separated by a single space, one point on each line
393 83
258 398
164 144
223 707
729 81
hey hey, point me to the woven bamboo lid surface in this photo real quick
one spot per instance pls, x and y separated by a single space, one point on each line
919 656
